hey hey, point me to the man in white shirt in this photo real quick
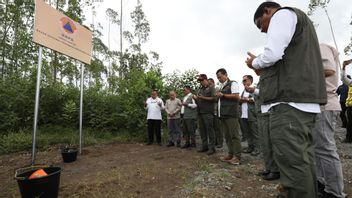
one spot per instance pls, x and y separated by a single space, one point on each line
292 88
248 118
154 105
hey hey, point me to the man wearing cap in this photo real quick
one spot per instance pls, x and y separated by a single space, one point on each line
205 103
292 87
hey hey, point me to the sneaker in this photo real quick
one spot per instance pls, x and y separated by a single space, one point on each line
235 161
226 158
271 176
149 143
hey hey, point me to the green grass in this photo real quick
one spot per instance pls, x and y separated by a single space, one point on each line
53 135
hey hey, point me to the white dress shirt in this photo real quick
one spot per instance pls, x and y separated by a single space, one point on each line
279 35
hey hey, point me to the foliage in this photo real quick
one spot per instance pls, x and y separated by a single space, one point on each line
177 80
112 105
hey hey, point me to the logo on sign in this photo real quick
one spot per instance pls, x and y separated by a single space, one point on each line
68 25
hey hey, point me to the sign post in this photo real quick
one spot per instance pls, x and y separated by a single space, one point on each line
56 31
36 106
81 110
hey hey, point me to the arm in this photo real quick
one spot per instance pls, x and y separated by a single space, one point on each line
329 72
167 107
235 93
280 32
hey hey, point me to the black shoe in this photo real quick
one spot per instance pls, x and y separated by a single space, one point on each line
346 141
263 173
271 176
160 144
193 145
219 146
178 143
203 150
211 152
248 150
149 143
170 144
321 187
255 152
186 145
327 195
343 126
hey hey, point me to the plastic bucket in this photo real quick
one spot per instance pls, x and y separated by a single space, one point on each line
69 154
47 186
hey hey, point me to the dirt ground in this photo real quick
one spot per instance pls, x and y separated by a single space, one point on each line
137 170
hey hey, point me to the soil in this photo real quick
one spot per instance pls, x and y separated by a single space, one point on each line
137 170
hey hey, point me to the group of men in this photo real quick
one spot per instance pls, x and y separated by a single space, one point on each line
291 113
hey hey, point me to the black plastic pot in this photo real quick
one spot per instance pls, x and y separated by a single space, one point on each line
47 186
69 154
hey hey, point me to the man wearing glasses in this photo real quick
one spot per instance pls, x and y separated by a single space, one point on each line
292 86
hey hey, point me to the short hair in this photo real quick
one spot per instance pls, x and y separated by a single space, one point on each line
188 87
211 79
250 77
155 90
222 71
260 10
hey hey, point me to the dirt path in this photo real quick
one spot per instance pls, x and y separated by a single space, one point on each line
136 170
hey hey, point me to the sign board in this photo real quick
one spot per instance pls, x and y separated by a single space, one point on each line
56 31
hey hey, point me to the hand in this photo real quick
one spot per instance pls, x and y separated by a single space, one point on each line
184 104
219 94
159 103
249 89
250 60
195 97
345 63
145 104
244 99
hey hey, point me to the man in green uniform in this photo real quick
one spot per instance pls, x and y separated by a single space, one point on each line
205 103
228 112
292 86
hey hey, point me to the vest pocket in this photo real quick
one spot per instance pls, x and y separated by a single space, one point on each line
269 85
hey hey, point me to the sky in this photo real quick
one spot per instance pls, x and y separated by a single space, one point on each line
210 34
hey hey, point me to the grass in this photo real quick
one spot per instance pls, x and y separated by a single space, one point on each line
53 135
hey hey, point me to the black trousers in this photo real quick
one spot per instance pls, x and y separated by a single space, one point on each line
343 114
349 125
154 127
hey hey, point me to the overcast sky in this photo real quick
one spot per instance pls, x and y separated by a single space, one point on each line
210 34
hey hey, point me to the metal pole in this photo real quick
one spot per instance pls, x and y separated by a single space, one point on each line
36 104
81 109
